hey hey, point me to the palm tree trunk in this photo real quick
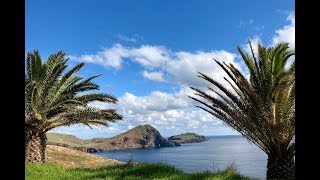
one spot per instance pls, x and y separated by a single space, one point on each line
280 168
36 148
27 140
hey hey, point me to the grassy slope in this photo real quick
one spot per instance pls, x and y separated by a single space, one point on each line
66 139
74 141
103 143
186 136
133 172
71 158
64 163
134 132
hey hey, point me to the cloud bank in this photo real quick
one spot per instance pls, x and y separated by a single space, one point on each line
170 113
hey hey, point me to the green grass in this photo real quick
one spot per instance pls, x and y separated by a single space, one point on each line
103 143
67 139
186 135
38 171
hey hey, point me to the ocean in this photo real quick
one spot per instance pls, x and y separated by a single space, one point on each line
213 154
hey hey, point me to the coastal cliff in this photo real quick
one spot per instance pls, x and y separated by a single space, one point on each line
139 137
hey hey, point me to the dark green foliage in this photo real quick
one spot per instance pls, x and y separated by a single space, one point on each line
54 97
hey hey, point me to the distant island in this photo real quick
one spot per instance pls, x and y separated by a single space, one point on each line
187 138
139 137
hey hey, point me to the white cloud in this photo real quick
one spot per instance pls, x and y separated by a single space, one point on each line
111 57
184 69
181 66
131 105
287 33
155 76
250 24
155 102
126 38
150 56
244 23
84 132
284 34
254 43
170 113
146 55
168 123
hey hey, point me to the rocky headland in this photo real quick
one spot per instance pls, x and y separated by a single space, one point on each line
139 137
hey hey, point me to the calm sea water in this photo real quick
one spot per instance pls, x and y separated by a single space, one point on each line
196 157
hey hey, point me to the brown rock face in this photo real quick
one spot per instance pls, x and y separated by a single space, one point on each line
140 137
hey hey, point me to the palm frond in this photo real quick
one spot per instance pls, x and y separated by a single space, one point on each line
85 116
261 108
52 96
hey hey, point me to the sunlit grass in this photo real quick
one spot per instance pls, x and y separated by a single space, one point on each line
38 171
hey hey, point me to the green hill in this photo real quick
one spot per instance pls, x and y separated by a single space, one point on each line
187 138
65 138
139 137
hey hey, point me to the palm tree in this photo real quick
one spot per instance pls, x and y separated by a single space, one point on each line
54 99
262 108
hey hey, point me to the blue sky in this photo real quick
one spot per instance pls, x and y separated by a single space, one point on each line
149 52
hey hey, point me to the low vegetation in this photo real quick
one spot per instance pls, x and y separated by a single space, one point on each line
69 158
125 171
142 136
187 138
64 163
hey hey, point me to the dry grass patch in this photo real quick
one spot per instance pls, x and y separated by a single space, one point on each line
76 159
